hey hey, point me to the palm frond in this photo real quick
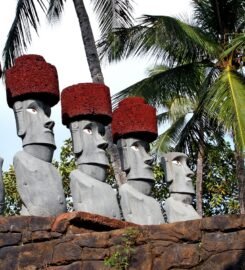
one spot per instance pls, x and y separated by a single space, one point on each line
55 9
157 69
160 37
163 118
236 47
219 17
169 138
113 14
167 85
26 17
226 101
181 106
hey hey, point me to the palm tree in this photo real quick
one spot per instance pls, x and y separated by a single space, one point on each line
111 13
204 65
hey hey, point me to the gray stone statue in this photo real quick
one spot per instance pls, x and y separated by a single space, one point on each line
1 176
133 127
86 109
31 92
1 188
177 173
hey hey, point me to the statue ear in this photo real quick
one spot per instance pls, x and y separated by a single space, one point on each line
166 164
123 154
19 118
76 137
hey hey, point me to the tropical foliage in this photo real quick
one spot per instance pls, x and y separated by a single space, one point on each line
110 13
198 84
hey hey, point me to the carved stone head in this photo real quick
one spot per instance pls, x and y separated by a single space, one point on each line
177 173
86 109
32 89
134 127
35 128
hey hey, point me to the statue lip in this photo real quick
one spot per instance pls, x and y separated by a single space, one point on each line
49 131
101 151
148 167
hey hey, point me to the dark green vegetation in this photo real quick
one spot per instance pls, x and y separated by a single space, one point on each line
120 258
198 82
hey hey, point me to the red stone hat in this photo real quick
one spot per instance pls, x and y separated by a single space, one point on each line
32 78
89 101
134 118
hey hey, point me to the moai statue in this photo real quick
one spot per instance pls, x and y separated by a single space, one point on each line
86 109
32 89
2 191
1 188
134 126
1 176
178 206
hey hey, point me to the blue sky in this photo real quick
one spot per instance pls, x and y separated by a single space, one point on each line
61 45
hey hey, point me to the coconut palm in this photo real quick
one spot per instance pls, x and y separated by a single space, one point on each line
111 13
204 59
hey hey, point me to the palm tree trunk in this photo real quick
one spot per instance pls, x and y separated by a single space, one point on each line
240 172
199 179
120 176
97 76
89 42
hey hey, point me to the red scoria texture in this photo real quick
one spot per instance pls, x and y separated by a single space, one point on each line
86 101
32 77
134 117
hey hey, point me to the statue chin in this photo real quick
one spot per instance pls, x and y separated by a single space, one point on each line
41 151
96 171
141 185
183 197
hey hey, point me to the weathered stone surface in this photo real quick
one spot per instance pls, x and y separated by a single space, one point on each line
66 252
94 265
223 223
73 266
94 240
95 253
9 239
18 224
42 243
179 231
87 221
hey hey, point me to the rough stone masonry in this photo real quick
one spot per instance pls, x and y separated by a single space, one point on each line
78 240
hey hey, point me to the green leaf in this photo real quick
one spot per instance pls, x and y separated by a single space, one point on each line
55 9
26 17
113 14
226 101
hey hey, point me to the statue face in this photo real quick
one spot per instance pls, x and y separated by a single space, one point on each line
33 123
89 148
135 160
177 173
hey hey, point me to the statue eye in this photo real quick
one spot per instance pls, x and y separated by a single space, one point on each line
31 110
88 131
177 162
135 147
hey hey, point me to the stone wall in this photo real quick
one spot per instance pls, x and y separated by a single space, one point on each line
82 241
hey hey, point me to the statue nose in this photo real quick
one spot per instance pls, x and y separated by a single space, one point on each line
189 173
49 124
149 161
103 145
